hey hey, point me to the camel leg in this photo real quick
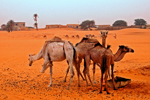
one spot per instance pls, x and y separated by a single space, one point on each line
66 73
106 76
44 65
101 83
81 74
109 73
84 72
94 81
72 73
89 76
112 75
78 71
50 84
86 65
78 67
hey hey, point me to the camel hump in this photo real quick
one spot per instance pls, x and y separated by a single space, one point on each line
55 39
89 40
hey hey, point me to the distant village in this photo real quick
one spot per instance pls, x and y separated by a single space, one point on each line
21 26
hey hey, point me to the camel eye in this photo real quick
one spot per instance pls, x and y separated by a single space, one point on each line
126 48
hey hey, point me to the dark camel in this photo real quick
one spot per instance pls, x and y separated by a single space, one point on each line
104 57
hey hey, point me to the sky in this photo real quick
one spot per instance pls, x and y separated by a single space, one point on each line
103 12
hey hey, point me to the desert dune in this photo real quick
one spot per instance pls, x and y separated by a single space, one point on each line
19 81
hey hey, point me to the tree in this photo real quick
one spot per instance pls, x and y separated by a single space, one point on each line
120 23
87 24
35 19
36 25
10 25
8 28
140 22
3 27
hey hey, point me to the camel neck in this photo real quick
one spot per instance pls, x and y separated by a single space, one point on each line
119 55
103 42
37 56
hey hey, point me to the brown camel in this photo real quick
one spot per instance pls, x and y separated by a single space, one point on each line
104 57
104 34
84 45
81 48
77 36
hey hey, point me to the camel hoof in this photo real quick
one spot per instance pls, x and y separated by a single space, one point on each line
87 85
92 85
67 87
115 88
108 92
42 71
100 92
83 79
104 89
94 82
64 80
49 85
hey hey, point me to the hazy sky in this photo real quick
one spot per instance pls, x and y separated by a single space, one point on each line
74 11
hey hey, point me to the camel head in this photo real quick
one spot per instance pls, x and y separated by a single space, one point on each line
125 49
121 52
104 34
30 59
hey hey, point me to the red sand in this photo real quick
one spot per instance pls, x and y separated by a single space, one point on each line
21 82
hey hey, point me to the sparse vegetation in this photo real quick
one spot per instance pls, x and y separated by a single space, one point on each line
140 22
35 19
36 25
10 26
87 24
120 23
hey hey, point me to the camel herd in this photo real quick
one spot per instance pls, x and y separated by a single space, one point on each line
88 49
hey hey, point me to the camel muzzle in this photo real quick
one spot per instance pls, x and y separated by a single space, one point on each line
132 50
30 63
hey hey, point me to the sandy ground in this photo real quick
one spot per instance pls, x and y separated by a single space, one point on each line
18 81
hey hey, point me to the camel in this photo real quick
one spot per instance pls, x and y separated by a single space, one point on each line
66 36
77 36
55 50
118 56
103 36
104 57
115 36
81 48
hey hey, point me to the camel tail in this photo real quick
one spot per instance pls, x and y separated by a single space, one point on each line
84 62
74 51
104 64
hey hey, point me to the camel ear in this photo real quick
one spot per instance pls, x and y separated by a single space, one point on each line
121 46
101 32
107 32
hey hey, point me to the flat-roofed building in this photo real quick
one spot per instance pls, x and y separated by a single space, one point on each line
55 26
19 26
72 25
